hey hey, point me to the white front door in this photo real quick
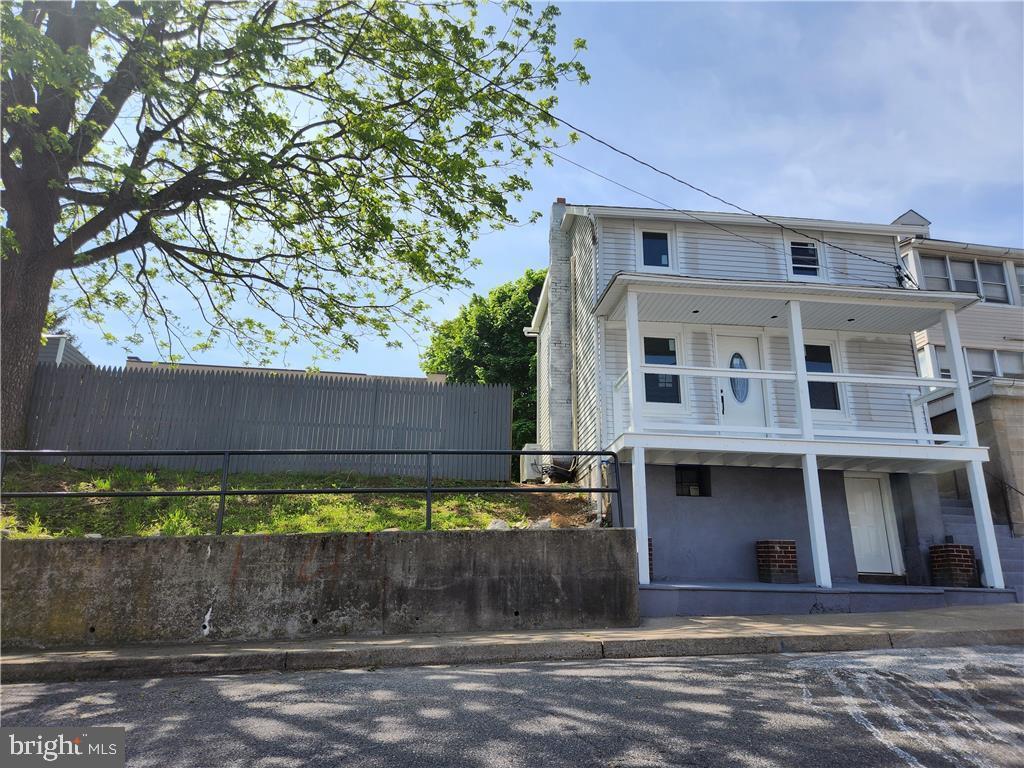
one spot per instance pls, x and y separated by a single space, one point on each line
873 524
740 401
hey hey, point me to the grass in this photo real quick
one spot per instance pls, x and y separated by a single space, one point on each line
311 513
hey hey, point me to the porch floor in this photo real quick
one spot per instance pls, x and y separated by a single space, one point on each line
735 598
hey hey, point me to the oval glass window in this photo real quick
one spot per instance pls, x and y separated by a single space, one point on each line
740 387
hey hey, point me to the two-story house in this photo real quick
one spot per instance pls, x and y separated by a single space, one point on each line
759 383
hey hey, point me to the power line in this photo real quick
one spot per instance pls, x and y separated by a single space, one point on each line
901 273
693 216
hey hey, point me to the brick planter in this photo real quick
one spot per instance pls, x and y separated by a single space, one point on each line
776 561
953 565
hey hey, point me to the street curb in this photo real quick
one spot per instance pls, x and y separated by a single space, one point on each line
166 664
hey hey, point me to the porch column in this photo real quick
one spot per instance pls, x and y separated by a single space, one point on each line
640 514
992 575
634 354
809 461
816 521
804 419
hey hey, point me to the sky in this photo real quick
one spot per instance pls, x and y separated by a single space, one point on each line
851 111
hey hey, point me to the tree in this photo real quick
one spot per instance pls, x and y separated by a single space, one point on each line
284 170
485 344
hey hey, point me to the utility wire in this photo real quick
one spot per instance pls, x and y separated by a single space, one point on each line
901 273
766 246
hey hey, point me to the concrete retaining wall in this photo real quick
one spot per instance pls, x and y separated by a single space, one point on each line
75 592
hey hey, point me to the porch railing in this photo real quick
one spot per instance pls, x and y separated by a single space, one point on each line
623 420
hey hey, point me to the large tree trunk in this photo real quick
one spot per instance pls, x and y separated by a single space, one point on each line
25 297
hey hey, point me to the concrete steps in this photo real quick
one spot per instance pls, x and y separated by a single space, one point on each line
958 518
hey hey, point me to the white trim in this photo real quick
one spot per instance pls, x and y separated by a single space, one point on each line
892 533
60 350
820 250
783 290
797 446
838 353
634 353
661 411
639 227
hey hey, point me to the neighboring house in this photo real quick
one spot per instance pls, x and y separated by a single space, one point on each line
992 334
57 348
669 338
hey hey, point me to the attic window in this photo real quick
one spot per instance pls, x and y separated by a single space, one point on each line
805 260
655 248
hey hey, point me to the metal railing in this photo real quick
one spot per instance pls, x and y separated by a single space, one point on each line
429 489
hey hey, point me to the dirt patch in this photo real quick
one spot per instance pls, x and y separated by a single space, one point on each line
566 510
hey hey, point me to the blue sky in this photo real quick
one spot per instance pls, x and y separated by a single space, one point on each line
831 110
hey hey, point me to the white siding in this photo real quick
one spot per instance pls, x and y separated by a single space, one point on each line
584 335
543 384
984 326
709 252
874 407
614 367
699 351
781 394
617 241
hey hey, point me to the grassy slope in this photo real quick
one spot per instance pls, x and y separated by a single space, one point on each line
184 516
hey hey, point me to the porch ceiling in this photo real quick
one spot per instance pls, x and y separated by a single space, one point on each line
762 304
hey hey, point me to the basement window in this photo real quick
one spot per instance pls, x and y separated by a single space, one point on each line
693 480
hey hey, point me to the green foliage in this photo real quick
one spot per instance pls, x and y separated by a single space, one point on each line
188 516
265 172
485 344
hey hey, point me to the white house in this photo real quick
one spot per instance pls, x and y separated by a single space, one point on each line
759 382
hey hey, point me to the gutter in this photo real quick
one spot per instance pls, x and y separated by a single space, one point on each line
533 330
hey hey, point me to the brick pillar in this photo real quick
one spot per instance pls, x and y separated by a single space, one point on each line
953 565
776 561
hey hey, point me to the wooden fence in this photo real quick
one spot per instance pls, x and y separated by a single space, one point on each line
86 408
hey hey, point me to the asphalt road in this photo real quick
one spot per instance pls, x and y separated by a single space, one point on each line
935 707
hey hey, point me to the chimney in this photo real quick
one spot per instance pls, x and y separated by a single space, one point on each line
559 201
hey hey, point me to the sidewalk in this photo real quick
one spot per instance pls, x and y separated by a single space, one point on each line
676 636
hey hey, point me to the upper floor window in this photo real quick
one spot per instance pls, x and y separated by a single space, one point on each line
824 394
985 278
1020 279
804 258
981 363
655 249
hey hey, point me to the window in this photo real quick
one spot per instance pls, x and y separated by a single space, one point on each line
944 367
993 282
964 278
804 256
982 363
662 388
658 351
985 278
655 249
935 276
824 394
693 480
1011 364
1020 279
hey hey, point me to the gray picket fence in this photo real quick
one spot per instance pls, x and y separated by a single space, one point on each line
87 408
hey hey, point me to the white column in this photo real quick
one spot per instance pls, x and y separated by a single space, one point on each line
640 514
993 569
816 521
634 354
809 461
804 419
